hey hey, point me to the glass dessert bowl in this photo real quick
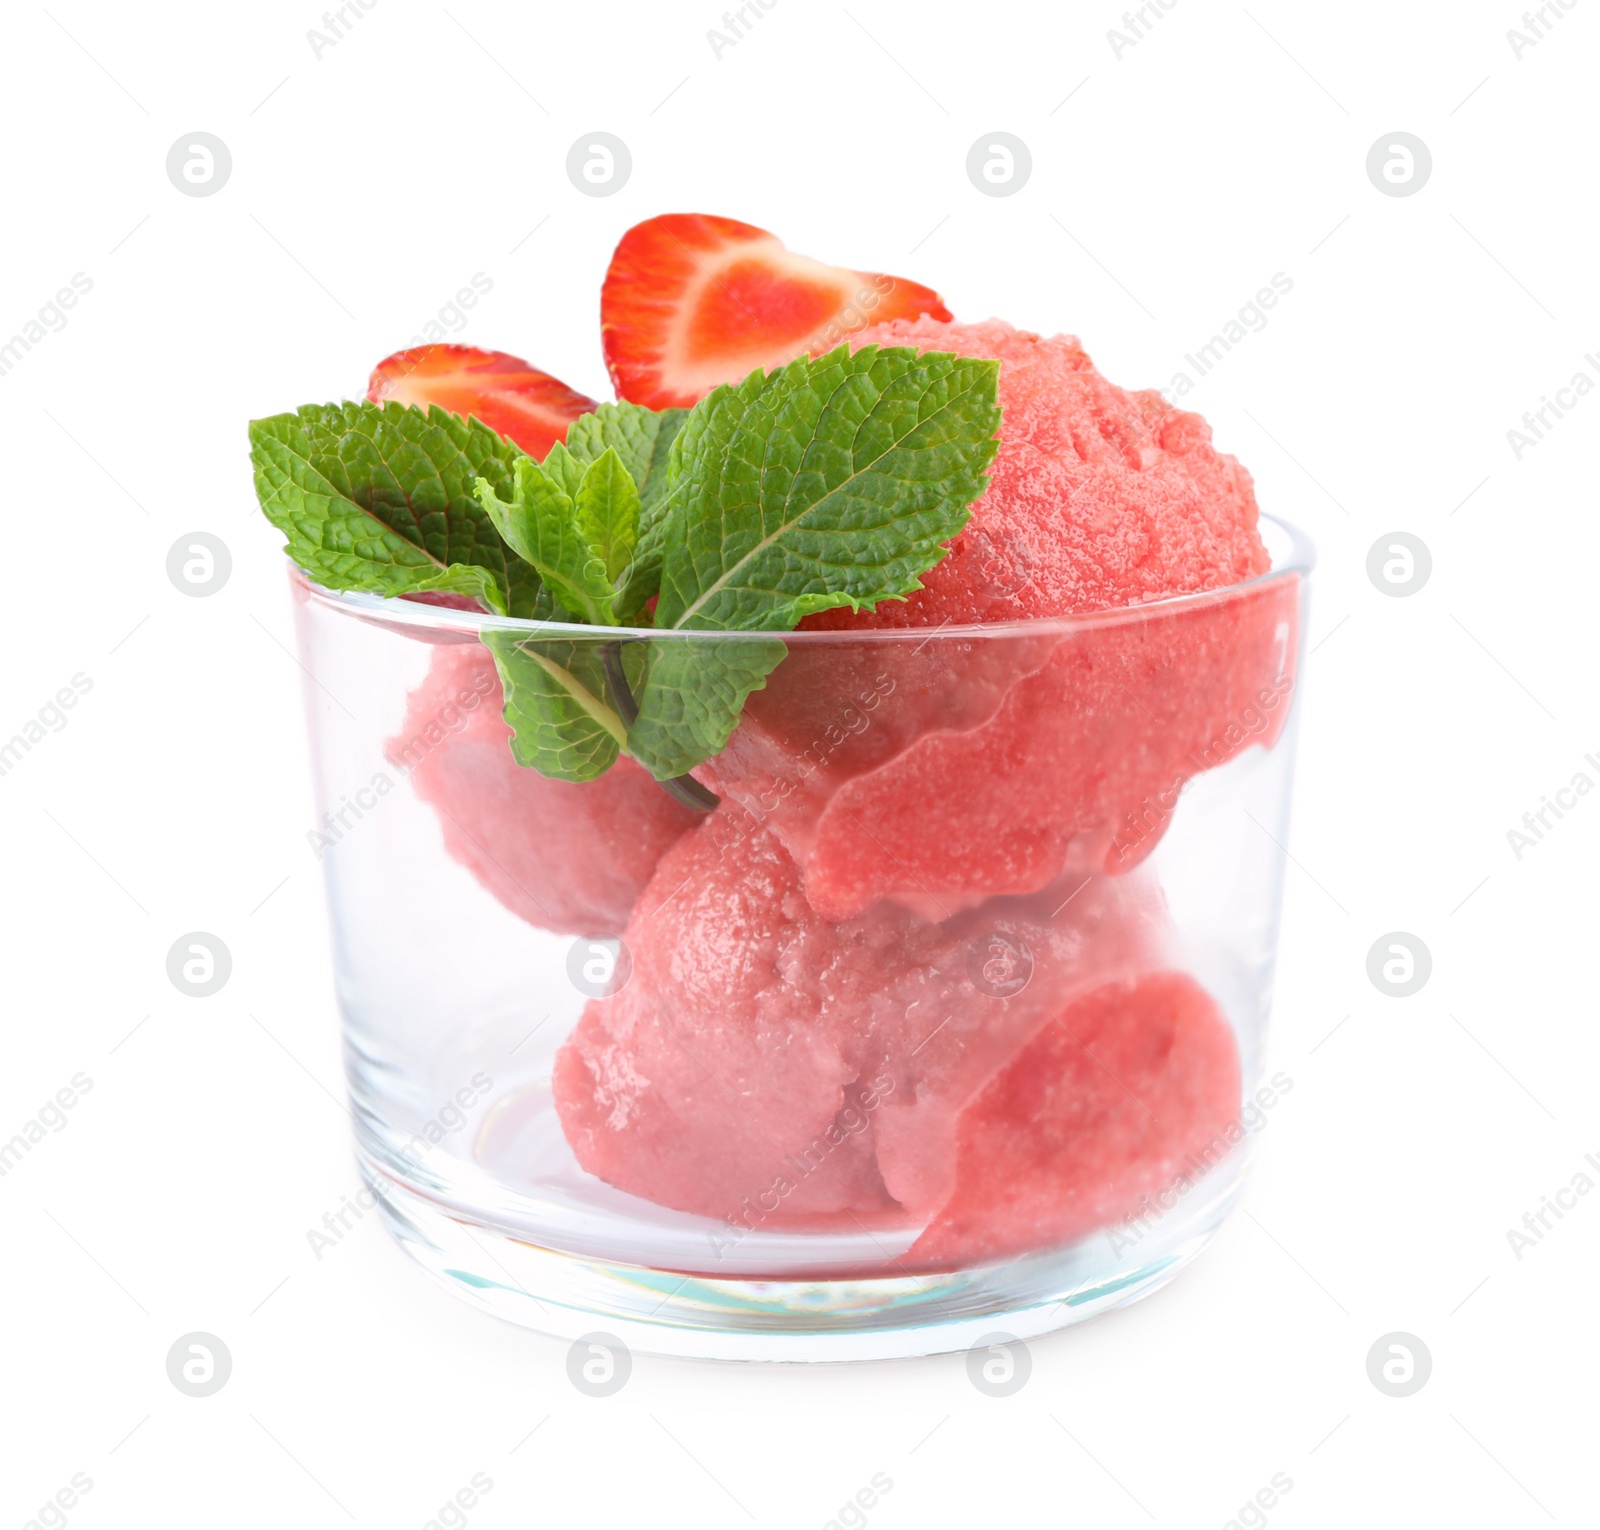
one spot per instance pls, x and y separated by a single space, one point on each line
934 1004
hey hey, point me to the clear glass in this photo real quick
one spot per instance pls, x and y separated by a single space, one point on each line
947 1021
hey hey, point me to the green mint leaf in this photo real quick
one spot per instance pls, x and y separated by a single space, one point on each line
558 704
607 507
576 518
693 695
565 470
581 542
536 521
830 482
643 439
379 497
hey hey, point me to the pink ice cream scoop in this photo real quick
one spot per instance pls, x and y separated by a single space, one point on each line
984 766
759 1047
1130 1093
566 857
1098 497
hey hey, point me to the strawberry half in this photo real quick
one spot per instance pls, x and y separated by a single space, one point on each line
520 402
691 301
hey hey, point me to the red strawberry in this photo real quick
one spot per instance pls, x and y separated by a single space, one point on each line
691 301
530 407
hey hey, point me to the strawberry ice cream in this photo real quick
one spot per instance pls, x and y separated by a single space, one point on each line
802 1022
757 1041
567 858
1032 746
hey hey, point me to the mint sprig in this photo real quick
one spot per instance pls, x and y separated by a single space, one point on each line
577 525
643 439
380 497
829 482
578 518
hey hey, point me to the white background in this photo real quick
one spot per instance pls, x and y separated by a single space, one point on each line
1169 184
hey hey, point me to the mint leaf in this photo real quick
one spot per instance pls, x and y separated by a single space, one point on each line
643 439
607 508
558 704
831 482
578 533
693 695
565 470
379 497
576 522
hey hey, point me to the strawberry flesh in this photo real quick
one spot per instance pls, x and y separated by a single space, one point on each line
514 399
692 300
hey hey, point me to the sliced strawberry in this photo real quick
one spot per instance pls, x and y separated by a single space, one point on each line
691 301
530 407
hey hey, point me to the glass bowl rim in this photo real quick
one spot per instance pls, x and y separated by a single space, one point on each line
1296 562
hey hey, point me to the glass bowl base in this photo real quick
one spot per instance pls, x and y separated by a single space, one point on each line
704 1317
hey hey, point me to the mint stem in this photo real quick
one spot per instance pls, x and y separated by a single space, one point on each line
684 789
